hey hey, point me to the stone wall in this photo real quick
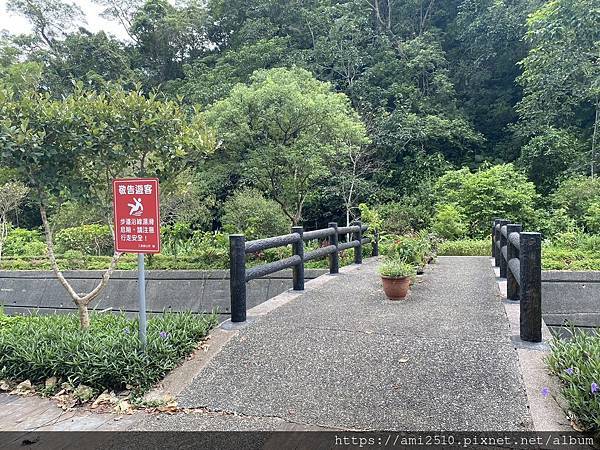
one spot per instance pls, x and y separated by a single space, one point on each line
197 291
571 296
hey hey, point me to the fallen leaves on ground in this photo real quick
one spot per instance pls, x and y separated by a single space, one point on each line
24 388
105 399
51 383
123 407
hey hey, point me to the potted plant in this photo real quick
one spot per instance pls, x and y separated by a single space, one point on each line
396 276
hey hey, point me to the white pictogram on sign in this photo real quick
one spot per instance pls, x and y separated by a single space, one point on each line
137 209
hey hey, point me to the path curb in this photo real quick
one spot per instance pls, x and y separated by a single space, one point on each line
547 414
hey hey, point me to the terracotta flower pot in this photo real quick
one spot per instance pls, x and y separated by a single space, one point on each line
395 288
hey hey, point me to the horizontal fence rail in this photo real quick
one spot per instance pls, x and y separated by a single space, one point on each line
518 254
239 248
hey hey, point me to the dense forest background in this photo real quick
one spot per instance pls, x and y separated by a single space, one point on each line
437 85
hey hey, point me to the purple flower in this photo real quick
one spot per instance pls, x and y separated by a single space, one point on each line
545 392
595 388
164 334
570 371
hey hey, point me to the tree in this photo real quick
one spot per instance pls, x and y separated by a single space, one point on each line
212 78
486 43
50 19
560 79
576 195
497 191
287 126
449 222
167 37
351 170
248 212
186 198
12 195
93 59
550 157
122 11
71 148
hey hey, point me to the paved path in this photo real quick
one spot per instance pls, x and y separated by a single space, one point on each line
342 356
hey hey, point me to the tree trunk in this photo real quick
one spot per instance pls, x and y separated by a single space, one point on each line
3 234
594 137
81 300
84 316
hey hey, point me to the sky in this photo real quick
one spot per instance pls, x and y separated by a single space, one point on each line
16 24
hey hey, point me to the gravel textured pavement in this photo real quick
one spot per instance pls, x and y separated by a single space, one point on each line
344 357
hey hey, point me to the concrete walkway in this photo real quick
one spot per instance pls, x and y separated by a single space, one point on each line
341 356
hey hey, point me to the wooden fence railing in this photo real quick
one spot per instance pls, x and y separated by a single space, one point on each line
519 256
238 248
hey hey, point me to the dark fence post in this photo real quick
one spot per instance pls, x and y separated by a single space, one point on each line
357 236
237 276
298 249
512 284
494 222
496 238
375 243
334 258
503 262
530 255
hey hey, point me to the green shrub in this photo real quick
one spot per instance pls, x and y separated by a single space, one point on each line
576 363
106 356
449 222
394 267
553 222
496 191
175 239
413 249
592 218
70 215
575 240
248 212
571 250
406 216
576 195
19 240
550 156
466 247
35 248
88 239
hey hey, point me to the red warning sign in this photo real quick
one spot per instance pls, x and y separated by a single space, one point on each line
137 215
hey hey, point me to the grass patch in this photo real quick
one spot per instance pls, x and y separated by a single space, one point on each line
576 362
567 251
105 357
465 247
572 251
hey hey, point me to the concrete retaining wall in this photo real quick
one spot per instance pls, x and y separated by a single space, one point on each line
571 296
197 291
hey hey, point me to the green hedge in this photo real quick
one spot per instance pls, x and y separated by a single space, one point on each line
104 357
568 251
572 250
466 247
576 362
209 259
87 239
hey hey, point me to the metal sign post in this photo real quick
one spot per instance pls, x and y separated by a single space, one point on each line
137 229
142 291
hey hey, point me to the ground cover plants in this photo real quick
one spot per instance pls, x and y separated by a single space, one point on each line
576 363
104 357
